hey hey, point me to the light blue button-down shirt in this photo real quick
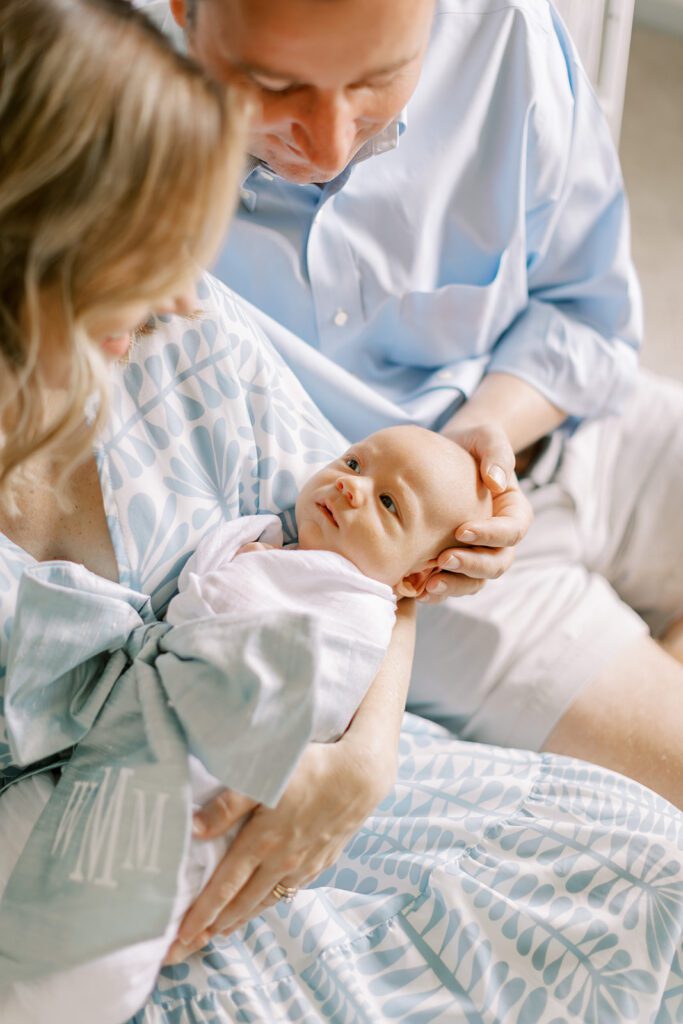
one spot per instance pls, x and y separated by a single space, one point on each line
492 235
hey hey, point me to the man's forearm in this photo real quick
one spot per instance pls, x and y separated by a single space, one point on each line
522 411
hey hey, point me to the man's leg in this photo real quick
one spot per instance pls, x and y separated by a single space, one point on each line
553 653
630 719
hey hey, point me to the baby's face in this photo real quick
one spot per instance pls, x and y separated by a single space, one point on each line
391 503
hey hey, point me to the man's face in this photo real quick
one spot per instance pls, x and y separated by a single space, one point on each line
328 75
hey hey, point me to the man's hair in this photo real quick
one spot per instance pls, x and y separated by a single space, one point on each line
119 160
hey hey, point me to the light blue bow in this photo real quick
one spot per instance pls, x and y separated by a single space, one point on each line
90 666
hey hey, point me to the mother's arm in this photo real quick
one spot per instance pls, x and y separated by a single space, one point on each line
334 788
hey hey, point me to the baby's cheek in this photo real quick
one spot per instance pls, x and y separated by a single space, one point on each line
310 535
379 559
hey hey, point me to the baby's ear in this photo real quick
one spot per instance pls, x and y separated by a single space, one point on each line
414 584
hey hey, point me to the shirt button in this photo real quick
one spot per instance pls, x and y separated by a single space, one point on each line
340 317
444 375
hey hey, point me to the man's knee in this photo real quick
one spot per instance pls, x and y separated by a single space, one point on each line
630 719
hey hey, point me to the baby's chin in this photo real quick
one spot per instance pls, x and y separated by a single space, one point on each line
312 537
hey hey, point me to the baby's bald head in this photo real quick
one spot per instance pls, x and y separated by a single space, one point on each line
445 478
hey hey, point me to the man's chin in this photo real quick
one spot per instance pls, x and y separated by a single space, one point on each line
299 174
303 175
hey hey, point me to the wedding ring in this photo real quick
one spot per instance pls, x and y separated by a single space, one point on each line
284 892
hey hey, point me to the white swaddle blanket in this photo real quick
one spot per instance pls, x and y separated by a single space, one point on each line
214 582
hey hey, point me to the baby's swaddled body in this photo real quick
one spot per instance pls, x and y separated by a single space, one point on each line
217 580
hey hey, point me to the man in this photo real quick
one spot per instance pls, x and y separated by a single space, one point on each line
435 207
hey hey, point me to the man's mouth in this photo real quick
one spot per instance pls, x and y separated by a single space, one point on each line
328 513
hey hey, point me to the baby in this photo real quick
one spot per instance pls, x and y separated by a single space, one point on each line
371 526
192 707
388 506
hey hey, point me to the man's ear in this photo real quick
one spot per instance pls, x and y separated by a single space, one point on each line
413 585
179 12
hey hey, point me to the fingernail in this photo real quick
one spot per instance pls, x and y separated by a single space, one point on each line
499 476
453 563
468 536
199 828
437 588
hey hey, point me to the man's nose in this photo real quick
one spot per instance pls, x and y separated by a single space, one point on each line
324 131
353 491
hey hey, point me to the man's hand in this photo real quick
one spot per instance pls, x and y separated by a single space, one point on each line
490 543
334 788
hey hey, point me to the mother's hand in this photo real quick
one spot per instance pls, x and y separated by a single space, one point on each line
331 792
490 543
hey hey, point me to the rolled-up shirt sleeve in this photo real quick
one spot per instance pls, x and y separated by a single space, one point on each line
577 340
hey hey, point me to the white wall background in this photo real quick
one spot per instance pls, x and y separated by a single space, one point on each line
665 15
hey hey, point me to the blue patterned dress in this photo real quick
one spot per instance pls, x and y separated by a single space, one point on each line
491 885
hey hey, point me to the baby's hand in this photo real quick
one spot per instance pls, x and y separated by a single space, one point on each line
254 545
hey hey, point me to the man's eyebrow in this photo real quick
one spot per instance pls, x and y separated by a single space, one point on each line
250 68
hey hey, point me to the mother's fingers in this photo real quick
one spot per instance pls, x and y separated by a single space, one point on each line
180 951
256 895
229 878
220 814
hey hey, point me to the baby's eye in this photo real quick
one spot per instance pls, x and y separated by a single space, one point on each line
353 464
388 503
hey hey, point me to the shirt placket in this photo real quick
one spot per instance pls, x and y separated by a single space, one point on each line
334 280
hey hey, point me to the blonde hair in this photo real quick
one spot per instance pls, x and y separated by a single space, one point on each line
119 161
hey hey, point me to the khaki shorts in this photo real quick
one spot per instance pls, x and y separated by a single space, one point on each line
601 566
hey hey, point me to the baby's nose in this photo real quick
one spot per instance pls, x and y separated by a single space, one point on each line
350 493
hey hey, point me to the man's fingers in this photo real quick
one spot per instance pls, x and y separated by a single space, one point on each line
500 532
477 563
220 814
512 516
453 586
494 476
491 448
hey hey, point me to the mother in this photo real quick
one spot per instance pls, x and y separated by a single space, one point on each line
488 883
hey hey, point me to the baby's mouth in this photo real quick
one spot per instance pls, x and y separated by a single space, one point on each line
328 513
